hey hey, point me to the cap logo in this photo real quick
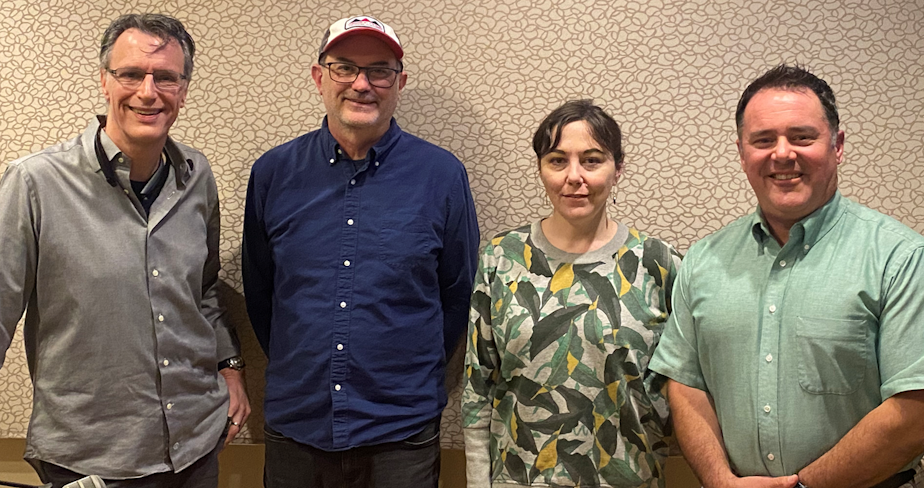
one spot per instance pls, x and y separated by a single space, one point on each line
364 22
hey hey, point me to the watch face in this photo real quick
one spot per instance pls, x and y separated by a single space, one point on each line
236 363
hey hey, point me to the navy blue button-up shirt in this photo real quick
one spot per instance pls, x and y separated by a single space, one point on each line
357 279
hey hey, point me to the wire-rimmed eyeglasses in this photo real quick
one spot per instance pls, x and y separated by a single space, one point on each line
164 79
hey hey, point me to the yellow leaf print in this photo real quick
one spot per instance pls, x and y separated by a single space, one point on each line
528 256
498 304
496 241
598 420
624 286
513 427
644 438
604 457
572 363
635 234
513 286
548 456
611 389
541 391
593 306
663 273
563 278
496 402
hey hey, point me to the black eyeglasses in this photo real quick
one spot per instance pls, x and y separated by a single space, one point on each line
164 79
347 73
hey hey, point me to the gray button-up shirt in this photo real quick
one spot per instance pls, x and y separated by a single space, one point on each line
123 329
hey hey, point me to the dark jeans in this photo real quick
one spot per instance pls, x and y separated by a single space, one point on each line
201 474
413 462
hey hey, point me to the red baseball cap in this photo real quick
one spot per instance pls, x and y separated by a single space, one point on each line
362 24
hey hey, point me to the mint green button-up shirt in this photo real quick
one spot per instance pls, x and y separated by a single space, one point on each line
797 343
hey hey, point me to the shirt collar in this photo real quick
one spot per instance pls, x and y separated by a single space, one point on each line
807 231
172 153
379 150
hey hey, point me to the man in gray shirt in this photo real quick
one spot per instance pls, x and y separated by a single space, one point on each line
110 244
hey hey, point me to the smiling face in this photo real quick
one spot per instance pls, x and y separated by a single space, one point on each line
359 107
141 116
789 155
578 176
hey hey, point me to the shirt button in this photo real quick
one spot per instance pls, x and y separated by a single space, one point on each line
166 362
176 446
339 347
349 221
337 387
170 406
771 456
806 247
155 273
767 408
342 304
783 263
353 182
772 308
769 357
332 161
126 191
339 151
121 160
376 163
346 263
160 318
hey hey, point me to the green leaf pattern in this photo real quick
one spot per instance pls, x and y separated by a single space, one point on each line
557 363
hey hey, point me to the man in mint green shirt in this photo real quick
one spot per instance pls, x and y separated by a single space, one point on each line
796 344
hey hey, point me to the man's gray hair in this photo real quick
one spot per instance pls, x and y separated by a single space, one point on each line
161 26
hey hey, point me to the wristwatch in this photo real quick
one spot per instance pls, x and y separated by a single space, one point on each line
800 485
235 362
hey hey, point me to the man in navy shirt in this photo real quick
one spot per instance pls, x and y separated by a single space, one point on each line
360 246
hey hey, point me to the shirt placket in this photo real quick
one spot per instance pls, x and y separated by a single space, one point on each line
346 266
768 398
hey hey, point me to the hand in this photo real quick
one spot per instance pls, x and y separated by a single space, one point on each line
239 408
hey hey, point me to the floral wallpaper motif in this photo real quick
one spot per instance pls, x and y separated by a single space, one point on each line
481 75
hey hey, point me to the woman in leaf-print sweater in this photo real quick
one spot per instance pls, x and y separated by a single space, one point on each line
565 316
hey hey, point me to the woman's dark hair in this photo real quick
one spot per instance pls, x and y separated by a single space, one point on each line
603 128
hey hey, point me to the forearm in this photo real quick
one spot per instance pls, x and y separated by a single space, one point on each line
885 440
696 427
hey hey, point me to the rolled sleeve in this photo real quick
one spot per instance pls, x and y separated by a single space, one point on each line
901 326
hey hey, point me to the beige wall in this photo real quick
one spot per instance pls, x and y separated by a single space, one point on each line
482 73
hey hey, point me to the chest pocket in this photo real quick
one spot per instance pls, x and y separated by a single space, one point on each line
834 355
406 244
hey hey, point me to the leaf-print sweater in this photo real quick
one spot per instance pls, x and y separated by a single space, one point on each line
557 388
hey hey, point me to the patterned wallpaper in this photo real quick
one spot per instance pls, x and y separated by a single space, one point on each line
482 74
